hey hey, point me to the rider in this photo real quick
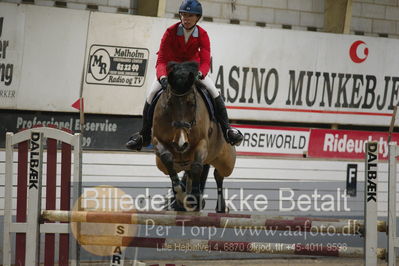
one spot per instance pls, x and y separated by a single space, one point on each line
184 41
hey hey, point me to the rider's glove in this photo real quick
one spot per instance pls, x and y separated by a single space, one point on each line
200 76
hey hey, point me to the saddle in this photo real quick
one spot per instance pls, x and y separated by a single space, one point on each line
209 102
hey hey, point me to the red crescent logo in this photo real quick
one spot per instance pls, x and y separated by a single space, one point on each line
353 52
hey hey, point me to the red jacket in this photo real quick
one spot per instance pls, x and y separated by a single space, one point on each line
173 48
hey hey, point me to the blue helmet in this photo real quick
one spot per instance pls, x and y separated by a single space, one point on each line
191 6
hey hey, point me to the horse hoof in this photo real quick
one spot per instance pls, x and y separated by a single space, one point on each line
225 210
176 206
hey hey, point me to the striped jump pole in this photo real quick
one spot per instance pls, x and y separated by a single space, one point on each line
282 223
227 246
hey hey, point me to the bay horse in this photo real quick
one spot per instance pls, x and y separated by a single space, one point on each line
186 139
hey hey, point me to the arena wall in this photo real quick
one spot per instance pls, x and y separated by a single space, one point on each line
369 17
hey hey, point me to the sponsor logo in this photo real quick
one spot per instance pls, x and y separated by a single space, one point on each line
34 164
358 52
117 66
372 157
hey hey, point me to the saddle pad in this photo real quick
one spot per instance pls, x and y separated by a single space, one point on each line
208 101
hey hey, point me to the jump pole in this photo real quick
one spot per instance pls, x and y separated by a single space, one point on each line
261 222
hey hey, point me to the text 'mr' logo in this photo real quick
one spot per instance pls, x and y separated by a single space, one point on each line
100 63
358 52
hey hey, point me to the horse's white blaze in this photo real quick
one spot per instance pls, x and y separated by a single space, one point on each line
182 139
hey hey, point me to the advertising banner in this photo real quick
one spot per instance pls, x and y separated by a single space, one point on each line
117 66
110 132
120 62
270 75
101 132
346 144
273 141
11 42
41 57
298 76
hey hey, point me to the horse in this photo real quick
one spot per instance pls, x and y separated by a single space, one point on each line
185 138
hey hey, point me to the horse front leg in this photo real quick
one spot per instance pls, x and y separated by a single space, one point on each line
196 174
221 203
166 158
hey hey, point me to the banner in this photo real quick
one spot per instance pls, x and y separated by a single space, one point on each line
102 132
120 62
42 51
111 132
346 144
273 141
270 75
11 44
298 76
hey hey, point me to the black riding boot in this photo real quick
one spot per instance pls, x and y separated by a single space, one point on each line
143 138
231 135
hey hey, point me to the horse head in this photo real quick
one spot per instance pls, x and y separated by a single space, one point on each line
182 102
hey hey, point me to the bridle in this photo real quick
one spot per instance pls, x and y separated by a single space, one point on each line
184 124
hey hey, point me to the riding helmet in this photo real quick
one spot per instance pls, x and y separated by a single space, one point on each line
191 6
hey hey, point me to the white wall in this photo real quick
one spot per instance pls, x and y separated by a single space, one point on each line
370 17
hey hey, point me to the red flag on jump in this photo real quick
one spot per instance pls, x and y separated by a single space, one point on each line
76 104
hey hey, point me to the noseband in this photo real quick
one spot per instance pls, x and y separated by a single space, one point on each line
183 124
179 95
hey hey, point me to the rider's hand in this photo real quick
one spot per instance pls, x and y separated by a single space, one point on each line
164 82
200 76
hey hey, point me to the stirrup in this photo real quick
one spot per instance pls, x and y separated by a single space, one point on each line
234 136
